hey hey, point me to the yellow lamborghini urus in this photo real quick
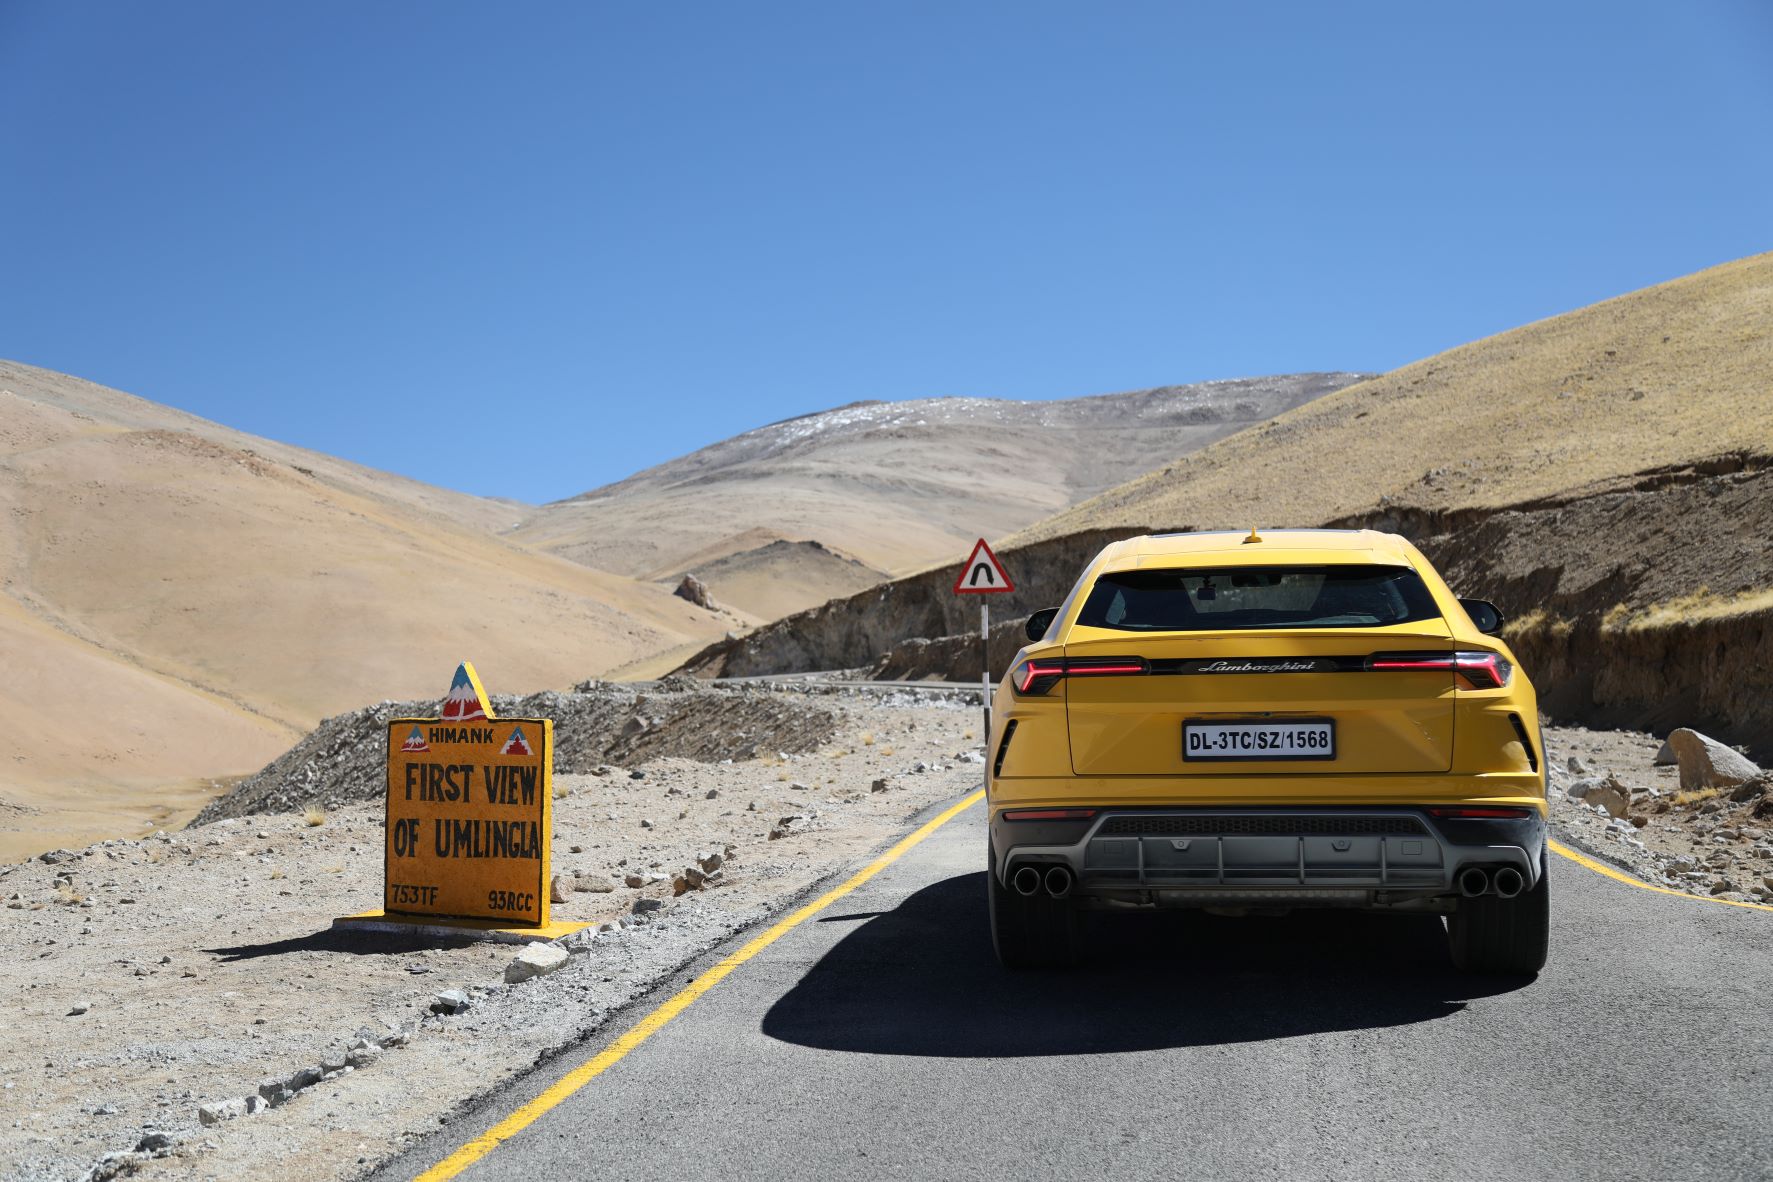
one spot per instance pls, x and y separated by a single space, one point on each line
1299 718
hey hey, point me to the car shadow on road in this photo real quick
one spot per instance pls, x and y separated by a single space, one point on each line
922 980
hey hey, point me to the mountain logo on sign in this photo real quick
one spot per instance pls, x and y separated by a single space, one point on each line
415 741
516 744
466 701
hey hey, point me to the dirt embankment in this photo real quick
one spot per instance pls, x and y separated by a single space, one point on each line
1641 601
1644 602
857 632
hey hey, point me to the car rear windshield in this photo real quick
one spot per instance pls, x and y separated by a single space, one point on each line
1195 600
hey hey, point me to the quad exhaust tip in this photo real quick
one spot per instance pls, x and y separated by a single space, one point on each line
1059 882
1026 880
1474 881
1508 882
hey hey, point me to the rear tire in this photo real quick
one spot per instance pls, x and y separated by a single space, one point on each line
1030 931
1492 935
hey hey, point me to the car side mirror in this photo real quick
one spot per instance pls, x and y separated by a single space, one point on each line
1485 616
1039 622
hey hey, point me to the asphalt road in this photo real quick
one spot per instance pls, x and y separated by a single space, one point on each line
881 1039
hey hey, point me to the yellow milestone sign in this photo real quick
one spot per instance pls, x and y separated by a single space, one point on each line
469 812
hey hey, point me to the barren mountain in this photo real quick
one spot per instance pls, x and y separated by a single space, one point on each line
1667 375
895 486
1605 475
178 600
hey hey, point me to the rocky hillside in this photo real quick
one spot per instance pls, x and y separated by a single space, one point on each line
1603 476
895 486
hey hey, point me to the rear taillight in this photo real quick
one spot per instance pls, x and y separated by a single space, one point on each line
1478 670
1041 675
1049 814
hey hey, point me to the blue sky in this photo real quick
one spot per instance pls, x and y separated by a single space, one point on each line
524 250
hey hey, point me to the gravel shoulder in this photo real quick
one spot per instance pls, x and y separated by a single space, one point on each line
204 961
1703 843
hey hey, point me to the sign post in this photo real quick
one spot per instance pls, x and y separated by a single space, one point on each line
983 574
469 820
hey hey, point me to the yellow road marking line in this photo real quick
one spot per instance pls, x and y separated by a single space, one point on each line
1602 868
571 1082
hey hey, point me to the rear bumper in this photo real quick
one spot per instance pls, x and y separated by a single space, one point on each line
1341 856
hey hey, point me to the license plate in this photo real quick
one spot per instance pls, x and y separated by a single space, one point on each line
1311 738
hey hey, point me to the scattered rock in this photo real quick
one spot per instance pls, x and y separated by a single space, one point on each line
306 1077
560 890
646 823
712 794
1665 756
634 880
878 786
155 1142
450 1001
595 886
220 1110
536 960
709 862
1752 788
363 1056
1707 763
637 774
79 1007
1608 794
644 906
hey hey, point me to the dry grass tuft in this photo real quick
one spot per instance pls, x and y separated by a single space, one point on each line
1696 796
1700 605
1537 622
868 739
314 816
67 896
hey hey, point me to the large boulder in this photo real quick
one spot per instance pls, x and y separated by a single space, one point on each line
1707 763
696 591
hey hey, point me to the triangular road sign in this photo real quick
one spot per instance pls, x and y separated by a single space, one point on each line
982 574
